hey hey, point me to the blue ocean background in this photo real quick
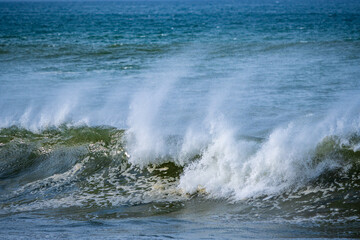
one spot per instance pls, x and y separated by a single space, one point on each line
179 119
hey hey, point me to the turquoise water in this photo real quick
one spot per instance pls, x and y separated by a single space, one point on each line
170 119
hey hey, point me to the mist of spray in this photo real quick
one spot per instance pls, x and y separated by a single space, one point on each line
146 140
236 168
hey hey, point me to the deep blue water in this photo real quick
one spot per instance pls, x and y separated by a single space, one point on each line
172 119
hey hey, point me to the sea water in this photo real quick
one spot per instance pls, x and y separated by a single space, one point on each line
179 119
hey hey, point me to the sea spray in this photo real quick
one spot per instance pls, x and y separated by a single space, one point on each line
237 169
145 137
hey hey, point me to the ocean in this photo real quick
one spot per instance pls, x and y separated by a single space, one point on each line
179 119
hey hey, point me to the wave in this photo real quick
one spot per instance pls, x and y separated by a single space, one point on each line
94 167
55 154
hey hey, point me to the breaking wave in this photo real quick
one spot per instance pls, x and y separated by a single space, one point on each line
68 166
